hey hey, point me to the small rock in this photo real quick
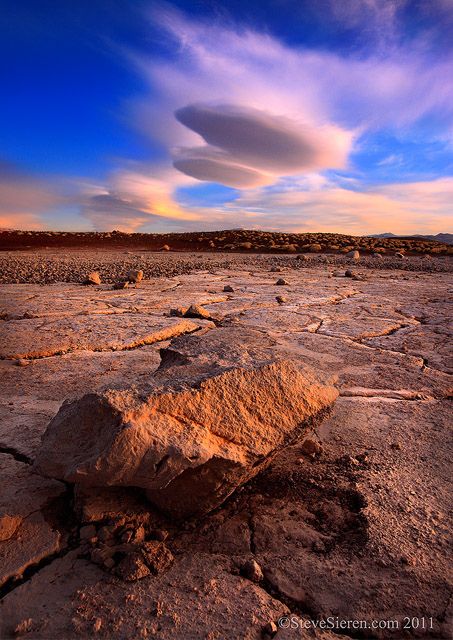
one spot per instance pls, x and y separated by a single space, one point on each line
358 277
157 556
281 281
197 311
270 629
355 255
87 532
109 563
93 278
362 457
302 257
135 276
349 274
338 274
399 255
123 284
132 567
165 248
252 571
228 288
275 270
179 312
311 447
396 446
281 299
23 627
97 624
378 255
22 362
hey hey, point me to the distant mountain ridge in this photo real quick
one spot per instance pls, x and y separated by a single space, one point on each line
446 238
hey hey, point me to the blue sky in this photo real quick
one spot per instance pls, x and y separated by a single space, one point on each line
293 115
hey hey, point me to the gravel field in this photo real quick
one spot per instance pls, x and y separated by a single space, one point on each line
45 267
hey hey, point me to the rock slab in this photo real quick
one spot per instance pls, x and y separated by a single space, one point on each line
189 443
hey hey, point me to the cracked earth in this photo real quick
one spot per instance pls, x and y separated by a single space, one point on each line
356 528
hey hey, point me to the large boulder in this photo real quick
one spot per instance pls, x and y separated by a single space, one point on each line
213 415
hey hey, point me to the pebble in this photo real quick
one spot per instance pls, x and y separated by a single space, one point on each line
93 278
281 299
281 281
270 629
228 288
135 276
97 624
121 285
22 362
311 447
252 571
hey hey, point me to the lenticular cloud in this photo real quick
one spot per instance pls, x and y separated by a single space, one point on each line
248 147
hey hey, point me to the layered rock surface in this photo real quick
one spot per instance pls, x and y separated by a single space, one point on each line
209 420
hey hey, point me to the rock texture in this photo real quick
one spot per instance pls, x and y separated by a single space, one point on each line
189 444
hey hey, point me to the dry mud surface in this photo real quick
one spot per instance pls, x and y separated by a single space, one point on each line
353 528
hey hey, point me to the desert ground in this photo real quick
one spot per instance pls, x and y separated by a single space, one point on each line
317 485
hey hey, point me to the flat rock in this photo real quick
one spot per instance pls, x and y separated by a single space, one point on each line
25 535
190 444
34 338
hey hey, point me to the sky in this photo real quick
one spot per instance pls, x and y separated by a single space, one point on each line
282 115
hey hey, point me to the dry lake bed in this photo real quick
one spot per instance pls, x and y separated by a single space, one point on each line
320 461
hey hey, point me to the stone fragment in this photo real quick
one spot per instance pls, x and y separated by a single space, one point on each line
398 254
302 257
311 447
281 281
349 274
355 255
179 312
135 275
228 288
92 278
281 299
270 629
197 311
122 284
132 567
157 556
201 429
252 571
25 626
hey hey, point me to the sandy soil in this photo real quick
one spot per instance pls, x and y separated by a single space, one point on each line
355 528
